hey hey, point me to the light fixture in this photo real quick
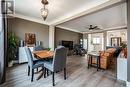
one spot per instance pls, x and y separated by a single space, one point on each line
44 10
123 34
111 35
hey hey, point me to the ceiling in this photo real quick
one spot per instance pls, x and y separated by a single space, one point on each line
71 11
58 9
112 17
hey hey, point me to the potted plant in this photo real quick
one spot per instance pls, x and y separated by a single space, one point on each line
48 49
12 48
123 45
124 49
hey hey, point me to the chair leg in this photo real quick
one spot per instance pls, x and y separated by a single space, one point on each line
64 73
28 70
88 61
32 75
37 69
44 72
53 80
47 72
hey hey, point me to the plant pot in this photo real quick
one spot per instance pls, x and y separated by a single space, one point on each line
10 64
124 52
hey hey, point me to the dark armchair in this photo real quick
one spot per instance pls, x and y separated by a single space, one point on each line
78 50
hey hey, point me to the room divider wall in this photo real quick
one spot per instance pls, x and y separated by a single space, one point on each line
3 33
128 31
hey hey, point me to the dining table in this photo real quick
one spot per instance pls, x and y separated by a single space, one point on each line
42 55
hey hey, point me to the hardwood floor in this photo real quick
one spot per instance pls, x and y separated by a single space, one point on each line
77 76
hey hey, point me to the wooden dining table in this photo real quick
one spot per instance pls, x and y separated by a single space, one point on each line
42 55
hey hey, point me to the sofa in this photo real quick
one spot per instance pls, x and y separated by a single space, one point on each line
117 51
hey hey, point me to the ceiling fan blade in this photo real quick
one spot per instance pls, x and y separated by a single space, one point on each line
91 28
95 27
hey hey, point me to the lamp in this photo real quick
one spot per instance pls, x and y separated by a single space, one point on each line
44 10
111 35
123 34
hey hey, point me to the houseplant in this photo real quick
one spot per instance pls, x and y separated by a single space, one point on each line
12 48
124 49
123 45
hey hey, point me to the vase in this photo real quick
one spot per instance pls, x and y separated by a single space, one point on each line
10 64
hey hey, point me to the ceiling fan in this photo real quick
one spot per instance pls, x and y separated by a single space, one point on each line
91 27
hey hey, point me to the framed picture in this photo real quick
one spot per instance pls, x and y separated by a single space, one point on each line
30 38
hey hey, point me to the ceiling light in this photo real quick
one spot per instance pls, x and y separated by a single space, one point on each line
44 10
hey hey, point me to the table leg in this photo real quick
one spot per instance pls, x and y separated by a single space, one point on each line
38 71
88 61
41 74
97 63
91 59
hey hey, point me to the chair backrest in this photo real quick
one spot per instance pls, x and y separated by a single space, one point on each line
38 48
29 56
59 58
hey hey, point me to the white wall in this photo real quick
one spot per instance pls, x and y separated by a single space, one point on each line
51 37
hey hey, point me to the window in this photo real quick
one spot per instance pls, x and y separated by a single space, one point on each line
96 40
85 43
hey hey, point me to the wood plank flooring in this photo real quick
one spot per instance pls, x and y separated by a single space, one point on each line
77 76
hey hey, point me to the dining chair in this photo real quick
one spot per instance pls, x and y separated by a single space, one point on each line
32 64
38 48
41 48
58 63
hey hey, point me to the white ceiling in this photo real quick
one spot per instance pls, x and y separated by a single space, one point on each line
58 9
61 11
108 18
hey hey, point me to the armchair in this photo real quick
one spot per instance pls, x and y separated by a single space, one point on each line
105 58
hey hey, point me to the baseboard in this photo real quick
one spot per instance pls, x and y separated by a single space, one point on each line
128 84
